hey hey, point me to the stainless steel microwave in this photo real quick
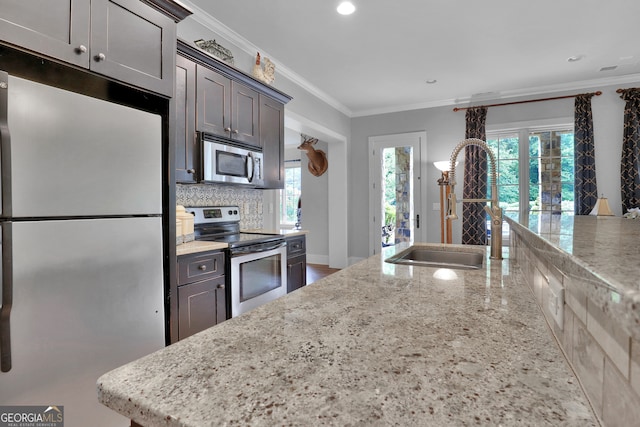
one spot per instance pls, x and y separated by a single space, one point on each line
229 163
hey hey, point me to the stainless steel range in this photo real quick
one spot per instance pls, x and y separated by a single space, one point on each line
256 263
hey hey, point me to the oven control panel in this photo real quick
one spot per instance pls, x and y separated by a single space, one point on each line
213 214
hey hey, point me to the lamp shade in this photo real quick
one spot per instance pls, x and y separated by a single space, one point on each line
443 165
602 208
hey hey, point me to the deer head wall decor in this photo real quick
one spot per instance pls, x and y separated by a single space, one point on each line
318 163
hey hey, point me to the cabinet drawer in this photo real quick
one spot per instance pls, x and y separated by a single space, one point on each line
296 245
200 266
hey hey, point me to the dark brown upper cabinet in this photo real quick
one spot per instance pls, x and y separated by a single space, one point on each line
226 108
187 153
229 103
272 137
126 40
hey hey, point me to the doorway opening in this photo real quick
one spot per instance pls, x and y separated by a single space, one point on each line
395 194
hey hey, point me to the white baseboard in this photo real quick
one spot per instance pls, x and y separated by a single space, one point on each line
318 259
324 259
355 259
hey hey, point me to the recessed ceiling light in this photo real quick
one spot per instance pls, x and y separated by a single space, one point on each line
346 8
575 58
431 81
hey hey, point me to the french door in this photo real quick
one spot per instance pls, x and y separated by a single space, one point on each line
395 202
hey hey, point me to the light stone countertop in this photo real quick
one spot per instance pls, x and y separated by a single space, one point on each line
602 254
286 232
199 246
375 344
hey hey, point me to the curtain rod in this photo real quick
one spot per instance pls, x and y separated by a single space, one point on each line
622 90
598 93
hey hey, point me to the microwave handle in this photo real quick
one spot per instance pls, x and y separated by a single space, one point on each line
251 171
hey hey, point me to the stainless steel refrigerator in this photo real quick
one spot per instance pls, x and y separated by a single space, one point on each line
82 261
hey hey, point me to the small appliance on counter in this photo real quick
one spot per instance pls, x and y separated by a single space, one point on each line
256 263
179 239
186 225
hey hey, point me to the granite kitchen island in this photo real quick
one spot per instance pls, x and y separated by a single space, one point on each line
584 272
374 344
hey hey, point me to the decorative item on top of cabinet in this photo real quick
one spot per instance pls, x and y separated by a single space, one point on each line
318 163
266 74
123 39
296 262
216 50
202 294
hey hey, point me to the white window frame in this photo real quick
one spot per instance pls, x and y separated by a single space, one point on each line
289 164
523 129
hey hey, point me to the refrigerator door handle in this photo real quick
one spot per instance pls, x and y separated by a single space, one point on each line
5 147
6 271
7 298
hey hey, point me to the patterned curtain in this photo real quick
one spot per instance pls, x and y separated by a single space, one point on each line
474 223
586 190
630 162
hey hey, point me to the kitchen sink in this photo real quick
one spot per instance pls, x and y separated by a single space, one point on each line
438 258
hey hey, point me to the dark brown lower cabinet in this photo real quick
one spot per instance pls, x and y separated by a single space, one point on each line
201 305
296 262
202 300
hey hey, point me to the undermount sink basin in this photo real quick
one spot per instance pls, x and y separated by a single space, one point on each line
438 258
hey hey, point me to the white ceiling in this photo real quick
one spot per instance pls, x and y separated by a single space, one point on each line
378 59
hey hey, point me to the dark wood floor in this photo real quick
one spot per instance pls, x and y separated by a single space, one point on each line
318 271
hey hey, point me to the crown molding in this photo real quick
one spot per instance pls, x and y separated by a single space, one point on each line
249 48
204 18
506 95
174 9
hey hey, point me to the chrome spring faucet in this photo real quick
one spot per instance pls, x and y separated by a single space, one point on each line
495 212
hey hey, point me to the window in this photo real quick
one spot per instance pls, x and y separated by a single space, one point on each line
538 174
290 194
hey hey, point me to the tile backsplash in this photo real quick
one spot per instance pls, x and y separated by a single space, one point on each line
248 199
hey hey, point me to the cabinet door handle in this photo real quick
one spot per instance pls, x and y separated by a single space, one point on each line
221 286
81 49
100 57
227 129
202 267
235 131
191 171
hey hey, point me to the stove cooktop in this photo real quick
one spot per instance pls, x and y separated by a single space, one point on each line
242 238
222 224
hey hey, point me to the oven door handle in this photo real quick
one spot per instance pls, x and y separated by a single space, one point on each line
263 247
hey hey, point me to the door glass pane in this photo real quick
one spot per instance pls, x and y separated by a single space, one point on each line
508 147
397 195
553 167
508 172
505 147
